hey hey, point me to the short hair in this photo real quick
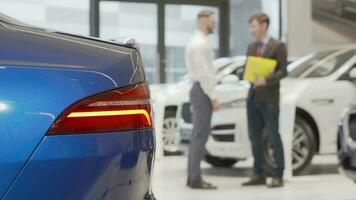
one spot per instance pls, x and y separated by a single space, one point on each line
205 14
261 18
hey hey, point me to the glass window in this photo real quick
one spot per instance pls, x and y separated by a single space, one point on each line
300 66
240 13
319 64
69 16
239 72
271 8
180 26
138 20
331 65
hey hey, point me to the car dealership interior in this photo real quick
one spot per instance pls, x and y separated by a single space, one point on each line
177 99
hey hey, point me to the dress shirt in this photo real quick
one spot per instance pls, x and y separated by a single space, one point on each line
199 57
264 43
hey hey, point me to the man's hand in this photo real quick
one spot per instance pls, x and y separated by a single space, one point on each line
216 105
260 81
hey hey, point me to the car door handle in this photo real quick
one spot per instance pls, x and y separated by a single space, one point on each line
323 102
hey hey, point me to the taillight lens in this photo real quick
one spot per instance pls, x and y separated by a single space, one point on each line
123 109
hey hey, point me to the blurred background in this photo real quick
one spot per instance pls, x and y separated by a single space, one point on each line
163 27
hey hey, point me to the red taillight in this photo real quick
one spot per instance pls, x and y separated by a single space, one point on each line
123 109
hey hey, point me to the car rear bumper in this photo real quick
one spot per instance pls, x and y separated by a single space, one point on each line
111 166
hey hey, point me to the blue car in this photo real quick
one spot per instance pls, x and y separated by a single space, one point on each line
75 117
347 143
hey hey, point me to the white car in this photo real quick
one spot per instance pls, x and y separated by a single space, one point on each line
321 88
168 100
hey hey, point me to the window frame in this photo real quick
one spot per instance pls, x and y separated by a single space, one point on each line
224 25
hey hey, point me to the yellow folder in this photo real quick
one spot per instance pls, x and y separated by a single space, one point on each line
256 67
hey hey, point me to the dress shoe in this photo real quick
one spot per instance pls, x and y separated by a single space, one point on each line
276 182
201 185
255 180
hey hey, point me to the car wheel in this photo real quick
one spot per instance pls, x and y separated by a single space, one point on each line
170 133
304 144
340 8
219 162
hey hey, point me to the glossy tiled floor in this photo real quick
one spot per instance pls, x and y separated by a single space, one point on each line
321 182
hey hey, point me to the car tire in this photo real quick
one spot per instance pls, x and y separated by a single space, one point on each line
304 146
170 134
219 162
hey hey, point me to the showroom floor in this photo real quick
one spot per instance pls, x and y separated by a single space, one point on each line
321 182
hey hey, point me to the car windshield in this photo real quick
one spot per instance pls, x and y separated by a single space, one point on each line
320 64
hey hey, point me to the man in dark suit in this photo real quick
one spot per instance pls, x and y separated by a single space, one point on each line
263 103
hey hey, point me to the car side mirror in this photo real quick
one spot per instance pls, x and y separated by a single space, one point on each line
352 74
230 79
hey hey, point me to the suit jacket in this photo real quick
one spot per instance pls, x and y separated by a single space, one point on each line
274 50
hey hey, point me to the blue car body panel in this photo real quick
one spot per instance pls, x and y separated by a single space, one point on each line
34 98
99 166
41 74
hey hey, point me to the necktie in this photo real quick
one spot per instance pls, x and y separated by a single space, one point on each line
259 51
